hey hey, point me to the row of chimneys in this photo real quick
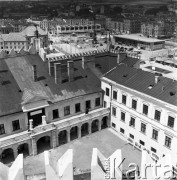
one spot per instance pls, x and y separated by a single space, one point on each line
56 71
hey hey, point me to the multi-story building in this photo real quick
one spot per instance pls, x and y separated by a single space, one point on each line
132 25
47 104
78 28
153 29
143 108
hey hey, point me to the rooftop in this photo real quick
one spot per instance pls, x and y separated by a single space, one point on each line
142 81
30 31
13 37
16 74
138 37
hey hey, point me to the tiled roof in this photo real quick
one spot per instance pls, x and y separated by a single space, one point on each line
30 31
13 37
136 79
19 76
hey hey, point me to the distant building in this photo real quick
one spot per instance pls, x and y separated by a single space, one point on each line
77 28
137 40
22 39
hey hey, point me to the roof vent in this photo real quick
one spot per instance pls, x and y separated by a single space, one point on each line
125 75
172 93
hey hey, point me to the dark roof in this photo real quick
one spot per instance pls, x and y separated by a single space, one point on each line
136 79
19 73
107 62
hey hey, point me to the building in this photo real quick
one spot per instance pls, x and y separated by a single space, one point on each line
77 28
153 29
47 103
132 25
143 108
139 41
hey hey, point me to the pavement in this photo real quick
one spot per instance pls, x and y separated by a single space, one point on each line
107 141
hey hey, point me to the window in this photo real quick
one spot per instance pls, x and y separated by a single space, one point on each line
143 128
124 99
131 136
132 122
97 102
122 116
115 95
77 107
87 104
2 130
134 104
105 104
122 130
113 111
15 125
67 110
113 125
145 109
167 141
55 114
153 150
154 134
142 143
107 91
171 121
157 115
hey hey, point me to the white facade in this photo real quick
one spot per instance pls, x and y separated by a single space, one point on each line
123 115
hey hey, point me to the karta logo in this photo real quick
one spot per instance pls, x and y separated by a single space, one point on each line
148 171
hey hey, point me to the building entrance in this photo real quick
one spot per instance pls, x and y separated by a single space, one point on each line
36 116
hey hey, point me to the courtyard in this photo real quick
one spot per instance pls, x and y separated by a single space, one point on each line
107 141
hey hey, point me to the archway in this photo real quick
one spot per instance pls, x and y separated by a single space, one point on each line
95 125
84 129
62 137
73 133
104 122
7 156
43 144
23 149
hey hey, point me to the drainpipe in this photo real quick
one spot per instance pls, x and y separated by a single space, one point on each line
110 105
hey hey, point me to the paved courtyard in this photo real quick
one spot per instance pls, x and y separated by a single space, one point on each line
107 141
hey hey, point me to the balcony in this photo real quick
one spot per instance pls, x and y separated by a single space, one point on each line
42 128
13 139
82 118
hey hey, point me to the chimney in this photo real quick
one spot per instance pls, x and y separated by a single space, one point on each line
118 58
35 73
88 62
58 73
156 79
51 68
70 66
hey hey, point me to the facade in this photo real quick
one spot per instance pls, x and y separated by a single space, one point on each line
127 26
47 103
139 41
153 29
77 28
143 109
